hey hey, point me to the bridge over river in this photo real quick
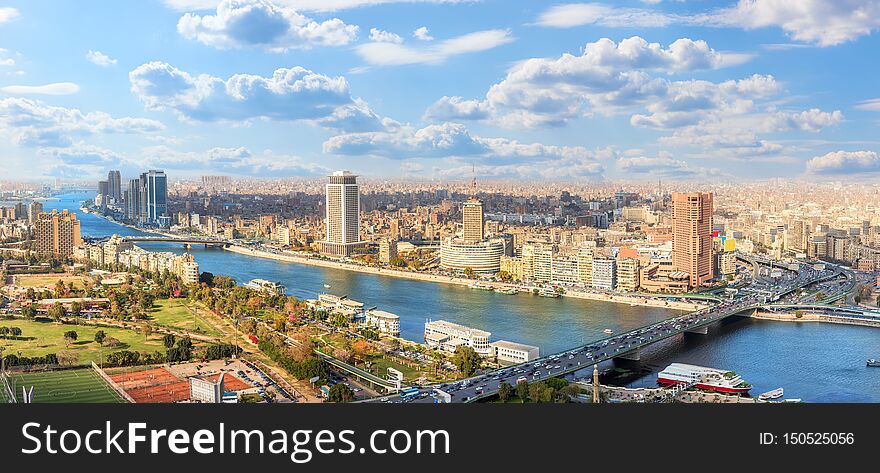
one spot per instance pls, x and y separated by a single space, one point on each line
623 346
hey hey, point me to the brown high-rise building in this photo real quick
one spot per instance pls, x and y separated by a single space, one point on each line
56 234
472 220
692 235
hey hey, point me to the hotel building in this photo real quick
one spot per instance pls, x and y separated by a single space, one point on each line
342 214
692 235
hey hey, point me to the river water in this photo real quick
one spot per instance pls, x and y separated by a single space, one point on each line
812 361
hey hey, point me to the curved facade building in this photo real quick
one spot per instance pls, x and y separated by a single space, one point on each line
482 257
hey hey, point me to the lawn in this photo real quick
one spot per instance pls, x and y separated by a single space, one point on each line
40 337
174 313
65 386
47 281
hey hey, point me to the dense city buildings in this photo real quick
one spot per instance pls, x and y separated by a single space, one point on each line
56 234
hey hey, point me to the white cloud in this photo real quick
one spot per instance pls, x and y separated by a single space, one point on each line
578 14
606 77
422 34
819 22
289 94
452 140
382 36
870 104
663 165
238 160
448 108
845 162
5 60
99 58
8 14
33 123
306 5
260 23
57 88
390 54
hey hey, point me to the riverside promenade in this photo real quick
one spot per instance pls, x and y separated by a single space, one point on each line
418 276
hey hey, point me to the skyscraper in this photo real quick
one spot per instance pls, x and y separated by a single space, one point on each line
692 235
34 211
472 218
342 214
133 200
104 189
56 234
114 186
154 196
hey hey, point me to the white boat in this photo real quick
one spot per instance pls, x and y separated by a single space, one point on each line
608 331
482 286
774 394
327 286
703 378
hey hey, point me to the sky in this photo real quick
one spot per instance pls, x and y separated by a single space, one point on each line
442 89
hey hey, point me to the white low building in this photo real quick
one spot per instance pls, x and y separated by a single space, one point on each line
514 353
385 322
448 336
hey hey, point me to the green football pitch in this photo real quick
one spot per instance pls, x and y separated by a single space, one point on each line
63 386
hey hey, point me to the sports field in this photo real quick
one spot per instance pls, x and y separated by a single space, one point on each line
47 280
66 386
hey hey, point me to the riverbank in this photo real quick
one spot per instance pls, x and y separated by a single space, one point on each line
815 317
302 259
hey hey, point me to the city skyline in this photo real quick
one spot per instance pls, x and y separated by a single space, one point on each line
422 90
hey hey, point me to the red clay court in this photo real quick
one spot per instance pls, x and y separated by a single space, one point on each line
158 385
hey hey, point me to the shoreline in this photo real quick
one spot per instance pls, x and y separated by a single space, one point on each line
300 259
816 318
416 276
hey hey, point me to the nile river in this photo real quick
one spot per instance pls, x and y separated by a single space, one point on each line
813 361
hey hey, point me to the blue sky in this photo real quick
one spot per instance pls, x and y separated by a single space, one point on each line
639 90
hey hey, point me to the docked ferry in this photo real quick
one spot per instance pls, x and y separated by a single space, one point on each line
507 290
700 377
482 286
774 394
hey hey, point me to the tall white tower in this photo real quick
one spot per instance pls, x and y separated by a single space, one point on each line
342 214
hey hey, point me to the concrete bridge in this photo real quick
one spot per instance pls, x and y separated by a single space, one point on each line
625 346
186 241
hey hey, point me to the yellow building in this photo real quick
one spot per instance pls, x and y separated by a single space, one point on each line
627 274
56 234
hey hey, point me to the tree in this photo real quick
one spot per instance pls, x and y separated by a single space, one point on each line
504 391
57 312
67 357
469 272
70 336
466 360
76 309
340 393
100 336
522 390
4 331
15 331
169 340
28 311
